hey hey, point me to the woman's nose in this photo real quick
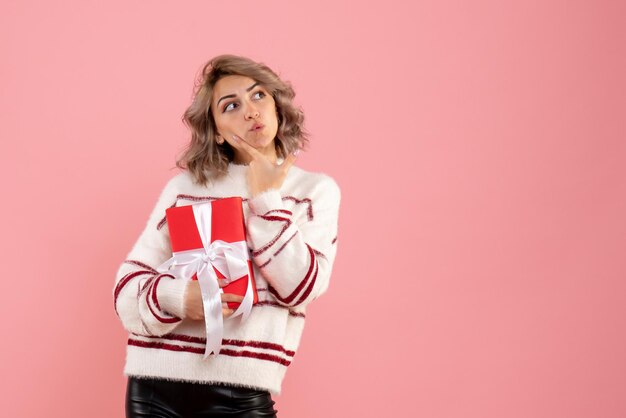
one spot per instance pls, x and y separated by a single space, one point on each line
251 112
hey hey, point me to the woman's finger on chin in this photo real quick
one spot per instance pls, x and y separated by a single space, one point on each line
249 149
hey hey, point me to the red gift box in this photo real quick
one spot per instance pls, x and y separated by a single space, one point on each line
227 224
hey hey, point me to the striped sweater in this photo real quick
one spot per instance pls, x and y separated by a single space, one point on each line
292 235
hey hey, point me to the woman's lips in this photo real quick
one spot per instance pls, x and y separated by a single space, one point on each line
257 126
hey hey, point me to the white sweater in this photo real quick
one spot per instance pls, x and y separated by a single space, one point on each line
292 233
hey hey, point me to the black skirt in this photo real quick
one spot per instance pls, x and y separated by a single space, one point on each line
167 399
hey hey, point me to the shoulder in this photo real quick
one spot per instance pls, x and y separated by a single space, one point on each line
180 181
315 184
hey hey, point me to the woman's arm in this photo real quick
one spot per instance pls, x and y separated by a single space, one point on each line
295 255
147 302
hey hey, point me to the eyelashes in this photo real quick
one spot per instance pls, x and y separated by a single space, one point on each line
255 93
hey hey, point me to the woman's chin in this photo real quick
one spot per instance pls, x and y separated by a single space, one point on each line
259 142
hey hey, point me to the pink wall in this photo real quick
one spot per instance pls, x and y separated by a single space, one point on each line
481 152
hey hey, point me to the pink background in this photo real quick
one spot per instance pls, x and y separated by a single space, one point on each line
480 148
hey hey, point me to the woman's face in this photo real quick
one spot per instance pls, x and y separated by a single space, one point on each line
238 104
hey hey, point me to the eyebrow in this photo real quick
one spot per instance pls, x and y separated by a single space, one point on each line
234 95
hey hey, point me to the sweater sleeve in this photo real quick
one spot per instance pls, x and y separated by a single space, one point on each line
295 256
148 302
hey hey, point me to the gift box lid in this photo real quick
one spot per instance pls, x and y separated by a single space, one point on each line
227 223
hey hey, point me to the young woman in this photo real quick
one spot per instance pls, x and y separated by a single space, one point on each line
245 135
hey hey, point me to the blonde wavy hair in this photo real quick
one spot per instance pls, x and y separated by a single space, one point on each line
204 157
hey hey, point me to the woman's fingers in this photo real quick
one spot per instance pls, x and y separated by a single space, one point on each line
231 297
225 312
242 145
228 297
195 306
235 142
288 162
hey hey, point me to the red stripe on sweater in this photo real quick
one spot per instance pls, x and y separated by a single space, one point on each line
267 246
144 326
154 288
285 243
275 218
310 287
160 318
260 344
195 198
237 343
145 285
319 253
199 350
164 346
258 356
283 246
278 305
303 282
285 211
164 220
176 337
141 289
309 210
124 281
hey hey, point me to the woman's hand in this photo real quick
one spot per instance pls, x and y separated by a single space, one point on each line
193 301
263 174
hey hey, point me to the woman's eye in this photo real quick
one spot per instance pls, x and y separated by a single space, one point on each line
227 107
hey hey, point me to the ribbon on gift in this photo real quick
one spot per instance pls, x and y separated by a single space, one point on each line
229 258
